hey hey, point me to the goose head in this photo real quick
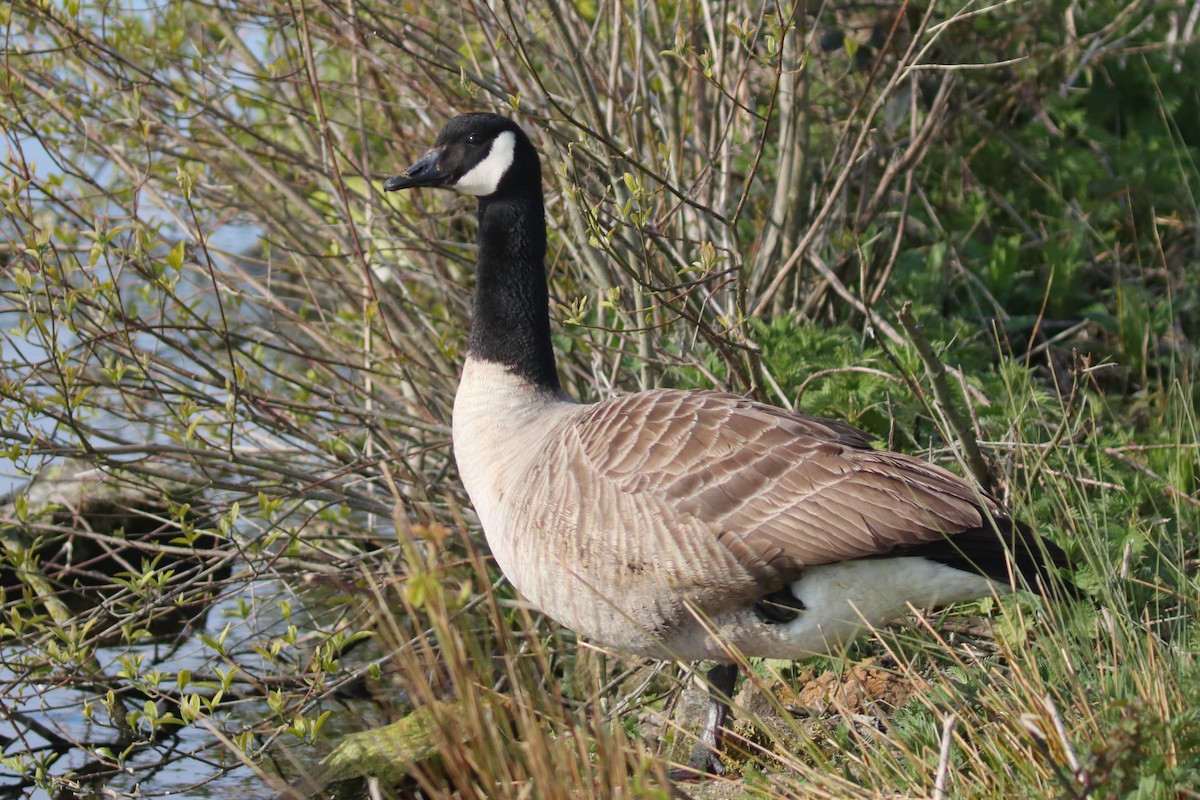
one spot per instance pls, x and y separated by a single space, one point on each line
490 158
480 154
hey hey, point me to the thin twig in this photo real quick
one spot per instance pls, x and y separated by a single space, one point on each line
1061 731
936 371
943 770
1167 488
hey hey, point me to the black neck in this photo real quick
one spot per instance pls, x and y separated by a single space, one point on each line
511 325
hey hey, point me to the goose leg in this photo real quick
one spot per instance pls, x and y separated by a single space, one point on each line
706 755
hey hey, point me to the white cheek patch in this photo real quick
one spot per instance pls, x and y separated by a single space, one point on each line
484 178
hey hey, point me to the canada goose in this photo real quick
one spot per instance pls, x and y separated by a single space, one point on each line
685 524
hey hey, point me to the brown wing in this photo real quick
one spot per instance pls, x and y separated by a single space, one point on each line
780 491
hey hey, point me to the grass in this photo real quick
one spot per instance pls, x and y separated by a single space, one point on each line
1042 700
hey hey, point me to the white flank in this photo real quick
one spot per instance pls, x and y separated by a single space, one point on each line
842 601
484 177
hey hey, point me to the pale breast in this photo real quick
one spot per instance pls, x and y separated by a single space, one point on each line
502 425
596 558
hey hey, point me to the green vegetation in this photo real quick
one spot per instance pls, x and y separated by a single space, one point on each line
204 287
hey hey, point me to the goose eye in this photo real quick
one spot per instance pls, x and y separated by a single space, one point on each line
474 138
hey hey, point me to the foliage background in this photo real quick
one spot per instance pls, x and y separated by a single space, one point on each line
205 288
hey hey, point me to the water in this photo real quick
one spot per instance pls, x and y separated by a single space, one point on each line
39 717
44 711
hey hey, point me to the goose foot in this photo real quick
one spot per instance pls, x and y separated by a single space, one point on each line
705 760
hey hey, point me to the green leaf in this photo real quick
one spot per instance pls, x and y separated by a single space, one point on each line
175 257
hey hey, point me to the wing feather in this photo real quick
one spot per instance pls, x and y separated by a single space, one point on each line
780 491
